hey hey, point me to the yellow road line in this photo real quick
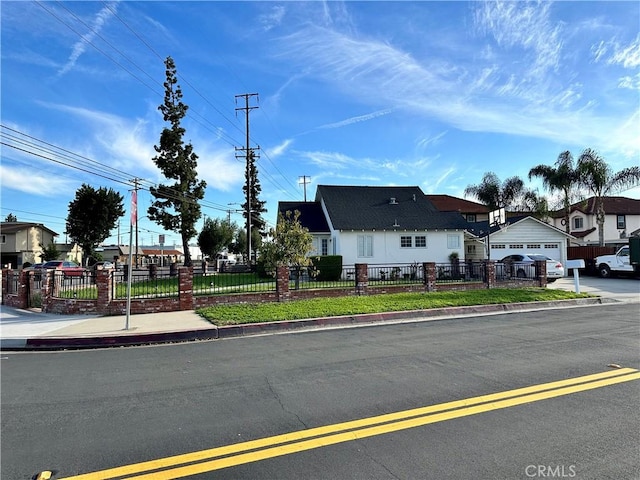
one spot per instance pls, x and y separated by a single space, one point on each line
338 433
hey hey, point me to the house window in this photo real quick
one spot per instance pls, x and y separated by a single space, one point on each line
406 242
578 223
453 241
533 245
3 239
421 241
498 246
551 245
324 246
518 246
471 217
365 246
622 224
471 249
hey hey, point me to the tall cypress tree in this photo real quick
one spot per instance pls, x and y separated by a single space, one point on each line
176 206
258 224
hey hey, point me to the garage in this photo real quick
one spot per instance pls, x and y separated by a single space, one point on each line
528 235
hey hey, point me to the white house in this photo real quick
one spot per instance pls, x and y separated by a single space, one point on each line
380 225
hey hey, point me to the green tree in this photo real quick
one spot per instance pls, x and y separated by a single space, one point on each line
598 177
11 218
215 236
496 194
290 246
50 253
92 215
176 206
257 207
562 178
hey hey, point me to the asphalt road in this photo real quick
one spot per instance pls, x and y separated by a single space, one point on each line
86 411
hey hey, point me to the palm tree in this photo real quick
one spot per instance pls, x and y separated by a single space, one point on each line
561 178
596 175
495 194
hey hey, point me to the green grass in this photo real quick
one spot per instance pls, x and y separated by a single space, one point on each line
330 307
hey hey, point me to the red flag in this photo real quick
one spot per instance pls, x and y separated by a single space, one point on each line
134 208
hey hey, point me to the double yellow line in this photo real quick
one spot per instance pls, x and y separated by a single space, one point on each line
194 463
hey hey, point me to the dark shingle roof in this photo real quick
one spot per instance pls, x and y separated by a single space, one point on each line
311 215
384 208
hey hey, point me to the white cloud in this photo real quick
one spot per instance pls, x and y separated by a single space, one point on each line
358 119
279 149
81 46
34 181
627 56
273 18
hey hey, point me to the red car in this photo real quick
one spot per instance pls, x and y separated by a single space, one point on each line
70 269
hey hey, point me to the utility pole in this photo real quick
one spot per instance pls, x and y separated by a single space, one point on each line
135 187
304 180
250 156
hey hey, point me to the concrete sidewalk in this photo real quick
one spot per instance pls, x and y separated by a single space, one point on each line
32 330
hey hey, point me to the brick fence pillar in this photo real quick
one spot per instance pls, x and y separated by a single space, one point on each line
541 273
282 284
490 271
429 269
362 278
185 288
104 285
46 288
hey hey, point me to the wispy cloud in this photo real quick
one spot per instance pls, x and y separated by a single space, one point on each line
280 149
360 118
273 18
39 182
81 46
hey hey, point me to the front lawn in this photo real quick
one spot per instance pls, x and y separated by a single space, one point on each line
330 307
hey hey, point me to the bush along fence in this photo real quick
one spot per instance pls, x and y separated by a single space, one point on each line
104 292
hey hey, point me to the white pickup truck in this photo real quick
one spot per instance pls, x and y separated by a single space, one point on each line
608 265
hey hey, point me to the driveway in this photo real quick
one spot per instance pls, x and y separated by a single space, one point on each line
625 289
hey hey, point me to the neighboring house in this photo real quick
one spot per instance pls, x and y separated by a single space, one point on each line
120 253
380 225
471 211
522 234
622 218
71 252
22 242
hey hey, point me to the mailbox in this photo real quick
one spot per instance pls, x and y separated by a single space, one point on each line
579 263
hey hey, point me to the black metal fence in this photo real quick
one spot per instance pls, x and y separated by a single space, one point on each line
145 284
460 272
81 287
225 283
521 271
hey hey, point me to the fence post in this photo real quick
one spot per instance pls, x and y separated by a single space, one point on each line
429 276
362 278
104 285
5 283
185 288
282 283
490 269
541 272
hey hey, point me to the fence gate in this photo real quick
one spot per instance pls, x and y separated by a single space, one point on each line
34 290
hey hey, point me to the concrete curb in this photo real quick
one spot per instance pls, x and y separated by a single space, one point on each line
287 326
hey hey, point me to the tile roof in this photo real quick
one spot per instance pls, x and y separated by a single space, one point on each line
612 206
447 203
384 208
311 215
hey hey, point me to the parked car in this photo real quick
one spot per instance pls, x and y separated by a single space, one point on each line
69 269
35 266
103 265
522 265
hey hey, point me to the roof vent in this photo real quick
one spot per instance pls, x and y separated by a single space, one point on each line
393 201
395 223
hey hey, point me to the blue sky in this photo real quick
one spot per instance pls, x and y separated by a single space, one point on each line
432 94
